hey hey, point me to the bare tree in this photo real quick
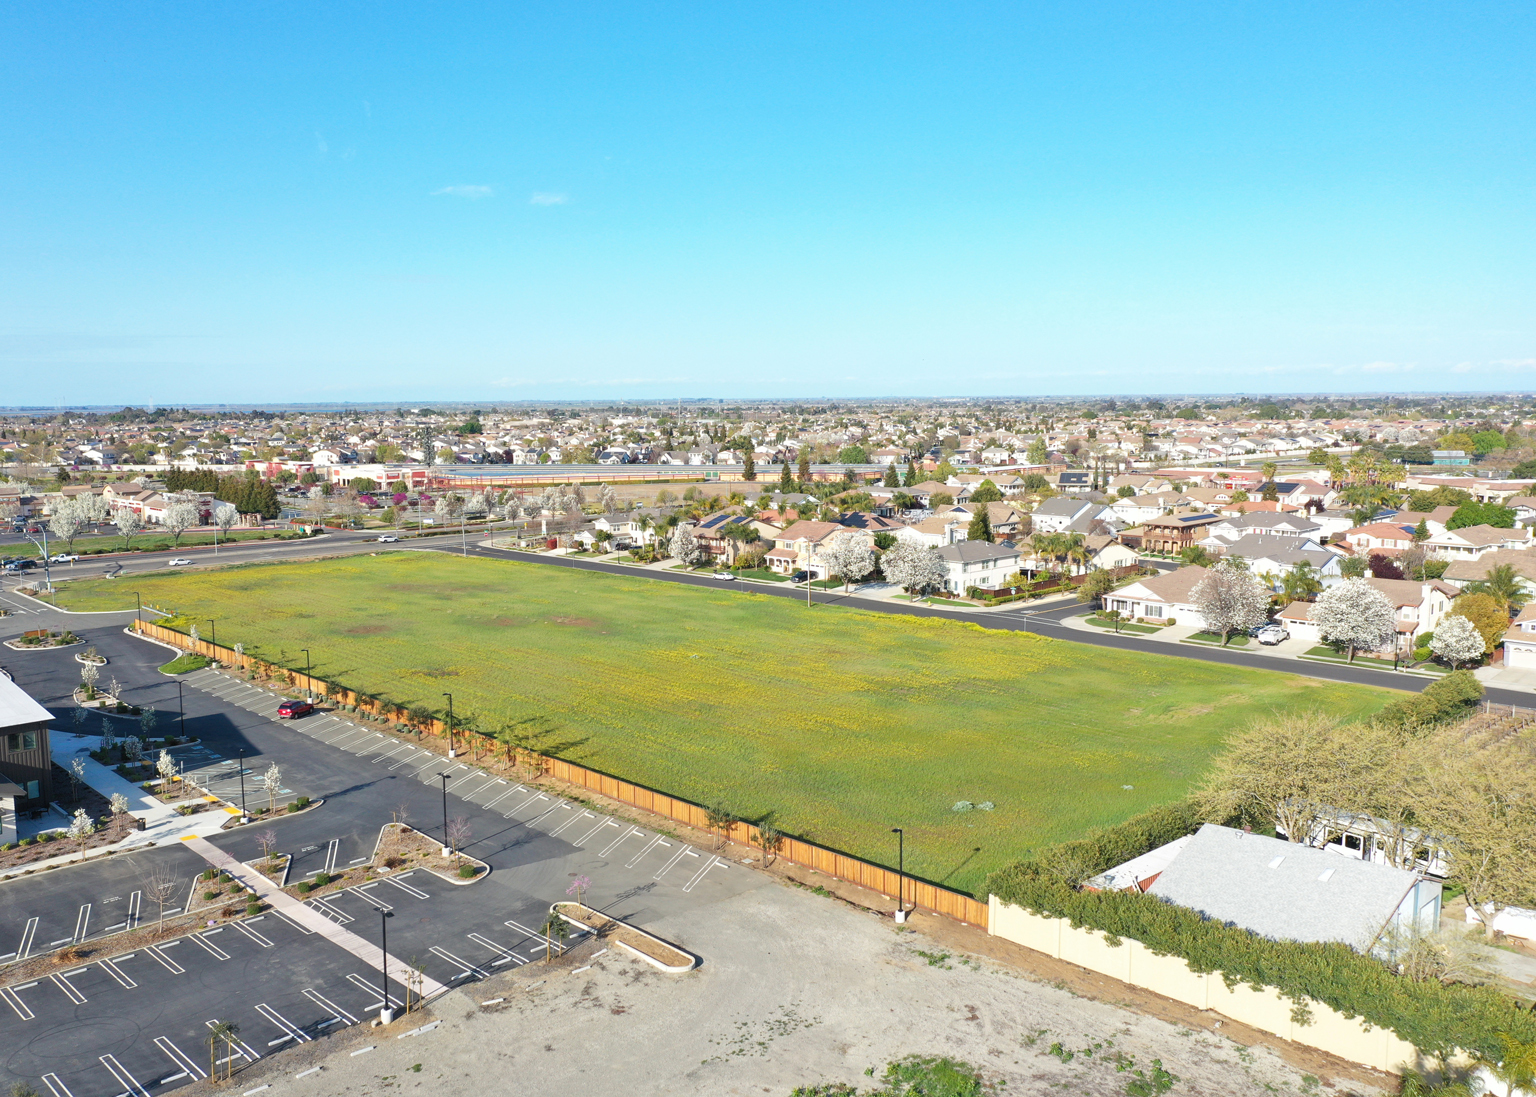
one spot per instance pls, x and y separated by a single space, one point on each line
160 885
267 840
459 832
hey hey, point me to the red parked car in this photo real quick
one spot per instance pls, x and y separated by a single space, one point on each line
292 710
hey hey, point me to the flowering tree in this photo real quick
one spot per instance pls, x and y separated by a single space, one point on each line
225 517
1458 642
133 748
1355 615
849 555
81 826
914 568
67 521
128 524
685 547
578 887
272 782
1230 600
180 517
119 804
166 768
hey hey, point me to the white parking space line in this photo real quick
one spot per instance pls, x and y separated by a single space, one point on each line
301 927
61 981
492 803
330 856
357 980
252 934
24 949
55 1086
501 951
118 1071
135 904
492 783
165 961
82 923
525 803
281 1022
399 882
366 892
340 917
589 834
458 783
209 947
325 1003
412 758
467 967
117 973
575 818
177 1056
630 833
713 862
676 857
547 813
657 840
13 1000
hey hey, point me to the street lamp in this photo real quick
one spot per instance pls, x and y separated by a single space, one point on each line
444 776
181 709
901 875
138 614
450 723
386 1015
308 685
244 815
213 625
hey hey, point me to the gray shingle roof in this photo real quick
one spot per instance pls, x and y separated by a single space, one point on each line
1283 890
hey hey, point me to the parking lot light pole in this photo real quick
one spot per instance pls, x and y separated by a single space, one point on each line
444 776
245 816
138 614
181 708
307 665
386 1015
901 874
450 723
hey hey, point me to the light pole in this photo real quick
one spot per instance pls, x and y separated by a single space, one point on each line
42 547
309 686
244 815
450 723
138 613
213 625
901 875
181 710
444 776
386 1015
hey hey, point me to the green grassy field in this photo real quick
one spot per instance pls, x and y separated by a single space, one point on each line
95 545
840 722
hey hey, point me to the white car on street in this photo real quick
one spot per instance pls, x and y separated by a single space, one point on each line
388 539
63 558
179 562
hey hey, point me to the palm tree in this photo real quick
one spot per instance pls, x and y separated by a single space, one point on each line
1516 1068
1503 582
221 1030
1301 583
1078 553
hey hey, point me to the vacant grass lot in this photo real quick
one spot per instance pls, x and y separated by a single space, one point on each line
842 723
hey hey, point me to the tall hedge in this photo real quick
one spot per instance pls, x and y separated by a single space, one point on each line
1448 698
1434 1017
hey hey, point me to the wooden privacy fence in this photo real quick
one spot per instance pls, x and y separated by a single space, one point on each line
952 904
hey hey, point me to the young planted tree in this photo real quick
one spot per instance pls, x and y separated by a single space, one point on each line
267 840
719 819
1230 600
459 833
768 839
271 782
119 805
1353 614
225 518
555 931
165 766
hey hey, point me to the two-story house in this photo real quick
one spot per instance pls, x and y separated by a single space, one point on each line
1474 542
978 564
798 548
1417 608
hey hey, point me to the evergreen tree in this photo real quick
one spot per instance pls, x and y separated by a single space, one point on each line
891 480
980 528
749 470
786 481
911 476
805 467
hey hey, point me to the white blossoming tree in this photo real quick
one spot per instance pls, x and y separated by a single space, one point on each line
180 517
128 524
1458 642
81 826
849 556
67 521
1354 615
914 568
1230 600
685 547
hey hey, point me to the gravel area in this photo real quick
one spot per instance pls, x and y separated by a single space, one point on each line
794 988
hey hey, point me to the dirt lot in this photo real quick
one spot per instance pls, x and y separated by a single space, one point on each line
794 988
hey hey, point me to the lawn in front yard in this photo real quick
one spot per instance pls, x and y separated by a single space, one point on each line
840 722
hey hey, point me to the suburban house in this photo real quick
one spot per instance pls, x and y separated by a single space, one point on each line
1138 508
1419 607
717 535
978 564
1270 557
1006 521
1291 892
1520 641
1434 520
1162 598
798 548
1170 533
1228 531
1462 572
26 767
1140 483
1379 538
1073 482
1474 542
624 530
939 530
1064 513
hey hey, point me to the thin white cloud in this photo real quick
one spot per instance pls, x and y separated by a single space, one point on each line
543 198
1516 363
472 192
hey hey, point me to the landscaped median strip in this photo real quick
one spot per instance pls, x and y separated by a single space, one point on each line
653 950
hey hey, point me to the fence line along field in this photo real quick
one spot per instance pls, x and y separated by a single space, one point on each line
839 723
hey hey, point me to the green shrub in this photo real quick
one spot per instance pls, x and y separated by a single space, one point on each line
293 807
253 909
302 801
208 874
28 841
50 836
321 879
1449 698
468 872
1433 1016
304 889
209 896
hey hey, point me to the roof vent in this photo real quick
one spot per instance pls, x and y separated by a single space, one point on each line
1326 876
1276 862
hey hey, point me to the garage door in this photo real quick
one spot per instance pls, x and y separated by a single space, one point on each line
1519 658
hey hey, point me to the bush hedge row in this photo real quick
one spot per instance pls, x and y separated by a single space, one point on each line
1448 698
1434 1017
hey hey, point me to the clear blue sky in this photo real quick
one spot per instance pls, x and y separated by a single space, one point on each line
250 202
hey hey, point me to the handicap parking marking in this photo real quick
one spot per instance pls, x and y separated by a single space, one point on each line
292 1032
714 862
122 977
189 1069
118 1071
630 833
686 851
208 946
657 840
56 1087
13 1000
325 1003
61 980
340 917
252 934
585 838
468 968
575 818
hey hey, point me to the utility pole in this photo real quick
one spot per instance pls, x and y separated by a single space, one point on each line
450 723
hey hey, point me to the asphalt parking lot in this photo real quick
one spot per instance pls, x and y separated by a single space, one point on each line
138 1024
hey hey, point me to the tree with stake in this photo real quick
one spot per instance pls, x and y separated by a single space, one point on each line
119 804
768 839
272 781
267 840
88 675
719 819
76 777
554 929
161 885
578 888
459 833
1354 614
1230 600
1458 642
165 766
81 826
147 720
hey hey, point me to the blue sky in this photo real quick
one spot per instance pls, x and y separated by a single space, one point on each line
533 201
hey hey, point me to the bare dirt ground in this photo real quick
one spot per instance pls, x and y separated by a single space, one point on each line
795 988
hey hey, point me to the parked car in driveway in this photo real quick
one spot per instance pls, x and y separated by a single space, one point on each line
179 562
1270 635
292 710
